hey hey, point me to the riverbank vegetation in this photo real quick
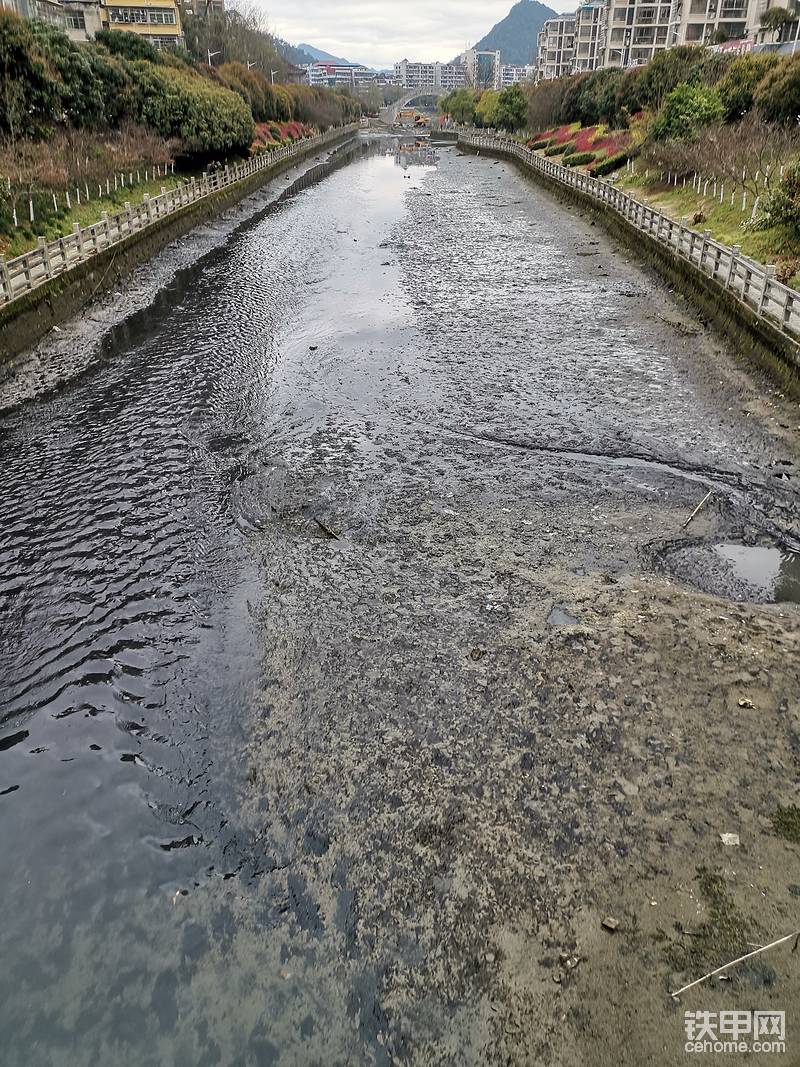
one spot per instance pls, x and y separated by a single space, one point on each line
715 140
86 124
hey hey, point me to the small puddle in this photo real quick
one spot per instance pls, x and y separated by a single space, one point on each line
758 573
559 616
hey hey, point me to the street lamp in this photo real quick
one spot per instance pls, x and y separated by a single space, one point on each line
273 73
620 52
212 54
251 65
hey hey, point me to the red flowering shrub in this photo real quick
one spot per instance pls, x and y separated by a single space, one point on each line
271 135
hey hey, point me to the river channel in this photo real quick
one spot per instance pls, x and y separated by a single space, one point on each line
273 570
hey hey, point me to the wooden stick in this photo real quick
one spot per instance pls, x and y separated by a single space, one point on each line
700 505
747 956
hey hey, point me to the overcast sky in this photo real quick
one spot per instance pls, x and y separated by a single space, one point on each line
380 32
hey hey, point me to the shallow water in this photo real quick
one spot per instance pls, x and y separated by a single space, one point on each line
395 343
762 573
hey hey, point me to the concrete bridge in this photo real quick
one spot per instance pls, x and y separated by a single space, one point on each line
390 112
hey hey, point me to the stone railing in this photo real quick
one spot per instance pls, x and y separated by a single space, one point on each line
50 258
753 284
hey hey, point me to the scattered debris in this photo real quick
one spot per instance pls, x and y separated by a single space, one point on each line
729 839
610 923
746 702
326 529
740 959
702 504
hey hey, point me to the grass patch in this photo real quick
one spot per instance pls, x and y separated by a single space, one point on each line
725 222
786 823
25 236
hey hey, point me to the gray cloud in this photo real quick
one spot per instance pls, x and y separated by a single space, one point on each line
380 32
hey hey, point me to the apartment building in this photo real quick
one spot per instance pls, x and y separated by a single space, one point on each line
483 68
635 31
339 75
556 48
445 76
510 75
158 21
44 10
82 19
705 21
590 36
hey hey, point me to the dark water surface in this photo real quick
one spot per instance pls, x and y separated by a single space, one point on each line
382 315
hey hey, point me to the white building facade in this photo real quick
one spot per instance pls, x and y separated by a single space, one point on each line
556 48
445 76
510 75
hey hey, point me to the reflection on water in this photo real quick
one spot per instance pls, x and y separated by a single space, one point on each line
760 573
773 572
136 915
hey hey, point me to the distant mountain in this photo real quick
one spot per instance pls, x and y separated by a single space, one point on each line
294 54
515 35
324 57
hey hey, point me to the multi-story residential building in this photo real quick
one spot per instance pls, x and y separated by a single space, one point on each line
82 19
483 68
635 31
430 75
510 74
556 48
706 21
44 10
590 34
158 21
338 75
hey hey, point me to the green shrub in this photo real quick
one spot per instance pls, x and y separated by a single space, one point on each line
127 45
207 118
686 110
738 85
672 67
610 164
579 159
540 144
777 95
782 205
558 149
31 92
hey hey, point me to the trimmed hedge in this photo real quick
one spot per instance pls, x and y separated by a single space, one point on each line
558 149
539 144
577 159
611 163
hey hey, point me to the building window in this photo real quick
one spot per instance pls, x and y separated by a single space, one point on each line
142 16
75 20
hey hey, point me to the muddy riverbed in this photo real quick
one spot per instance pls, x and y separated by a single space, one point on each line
356 663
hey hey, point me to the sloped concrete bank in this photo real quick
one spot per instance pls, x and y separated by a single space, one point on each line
755 340
29 318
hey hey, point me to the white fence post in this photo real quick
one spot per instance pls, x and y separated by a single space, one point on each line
45 253
769 273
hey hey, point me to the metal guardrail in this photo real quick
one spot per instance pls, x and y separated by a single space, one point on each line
26 272
751 282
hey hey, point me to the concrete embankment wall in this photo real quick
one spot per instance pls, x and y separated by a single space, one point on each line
754 339
25 321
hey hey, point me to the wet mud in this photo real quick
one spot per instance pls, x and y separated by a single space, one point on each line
357 662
